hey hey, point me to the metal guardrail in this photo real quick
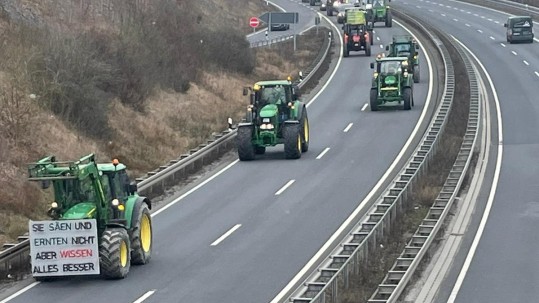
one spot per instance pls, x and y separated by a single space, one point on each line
271 41
354 251
517 5
404 268
15 257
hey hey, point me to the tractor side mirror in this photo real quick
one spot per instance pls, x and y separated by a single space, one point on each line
505 25
387 47
300 76
416 53
372 65
296 93
245 91
132 188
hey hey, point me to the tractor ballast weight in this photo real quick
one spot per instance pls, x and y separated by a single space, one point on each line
102 194
275 115
406 46
392 82
379 11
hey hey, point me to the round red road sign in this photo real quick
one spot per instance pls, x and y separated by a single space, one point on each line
254 22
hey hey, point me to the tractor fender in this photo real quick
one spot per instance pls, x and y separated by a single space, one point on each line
132 205
299 109
291 122
117 223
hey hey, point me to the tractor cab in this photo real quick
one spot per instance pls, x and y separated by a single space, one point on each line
406 46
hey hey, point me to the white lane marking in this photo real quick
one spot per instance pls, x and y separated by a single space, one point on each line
492 193
364 107
443 15
322 153
381 46
525 62
145 296
476 15
287 185
194 189
514 53
342 228
328 82
431 11
455 19
468 25
489 19
537 74
348 127
497 22
502 44
482 17
480 31
225 235
469 13
377 38
20 292
491 38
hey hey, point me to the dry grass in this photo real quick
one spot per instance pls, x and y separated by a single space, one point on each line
171 123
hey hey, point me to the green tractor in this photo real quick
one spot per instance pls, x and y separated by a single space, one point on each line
101 194
391 83
379 11
275 116
406 46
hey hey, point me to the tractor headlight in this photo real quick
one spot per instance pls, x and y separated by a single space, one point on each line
405 74
54 205
375 75
267 126
115 202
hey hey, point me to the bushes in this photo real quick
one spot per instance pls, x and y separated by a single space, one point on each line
228 49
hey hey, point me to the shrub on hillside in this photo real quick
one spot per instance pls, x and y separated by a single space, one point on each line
228 49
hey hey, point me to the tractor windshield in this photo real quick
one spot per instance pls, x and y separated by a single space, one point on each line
72 191
402 50
356 29
273 95
378 3
390 67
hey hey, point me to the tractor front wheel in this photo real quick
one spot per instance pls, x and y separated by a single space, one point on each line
305 132
292 141
246 150
416 73
141 234
389 20
367 49
345 50
260 150
373 100
407 98
114 253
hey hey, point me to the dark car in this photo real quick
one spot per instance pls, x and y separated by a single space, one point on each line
519 28
280 26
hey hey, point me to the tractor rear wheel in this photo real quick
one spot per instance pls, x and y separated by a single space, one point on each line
371 37
305 131
114 253
246 150
329 11
367 49
407 98
141 234
346 52
260 150
312 2
292 141
416 73
389 20
373 101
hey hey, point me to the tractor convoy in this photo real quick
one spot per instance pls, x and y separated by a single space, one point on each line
98 222
275 115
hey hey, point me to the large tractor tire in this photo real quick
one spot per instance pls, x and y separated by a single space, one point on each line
141 234
407 98
246 150
305 131
260 150
416 73
367 49
313 2
371 37
329 11
373 101
292 141
345 51
114 253
389 20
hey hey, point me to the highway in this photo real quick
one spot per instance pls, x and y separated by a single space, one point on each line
242 234
501 265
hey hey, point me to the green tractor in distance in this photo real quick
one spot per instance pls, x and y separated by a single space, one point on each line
356 36
379 11
391 83
275 115
406 46
84 190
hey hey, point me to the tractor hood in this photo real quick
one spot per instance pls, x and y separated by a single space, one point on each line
85 210
268 111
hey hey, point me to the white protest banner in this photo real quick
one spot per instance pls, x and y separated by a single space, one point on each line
64 247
